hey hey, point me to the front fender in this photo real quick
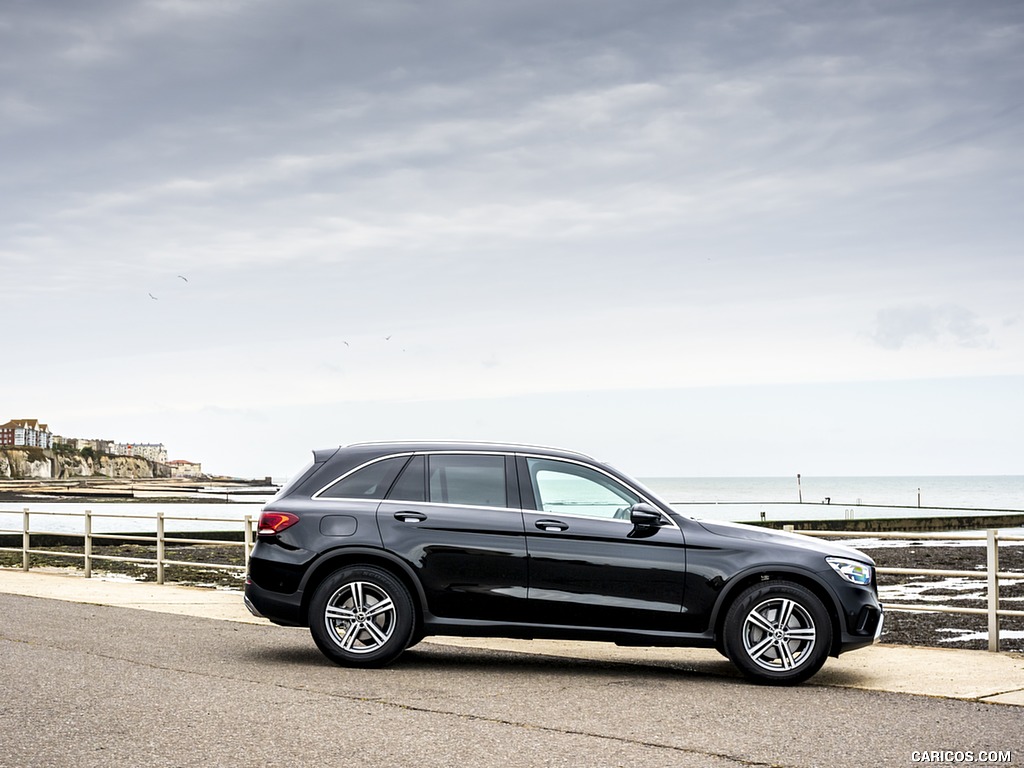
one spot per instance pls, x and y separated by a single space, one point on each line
778 571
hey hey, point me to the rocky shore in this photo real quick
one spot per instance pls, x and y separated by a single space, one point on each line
143 489
39 464
946 630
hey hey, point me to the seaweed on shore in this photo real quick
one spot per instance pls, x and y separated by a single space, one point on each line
948 630
188 575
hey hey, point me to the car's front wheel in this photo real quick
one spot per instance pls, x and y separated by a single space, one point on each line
361 616
777 632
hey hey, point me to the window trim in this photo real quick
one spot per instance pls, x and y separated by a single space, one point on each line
511 480
514 484
317 496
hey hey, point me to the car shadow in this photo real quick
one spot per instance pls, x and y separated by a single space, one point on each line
457 659
443 658
439 656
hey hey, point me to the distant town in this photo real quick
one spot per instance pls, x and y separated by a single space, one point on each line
31 433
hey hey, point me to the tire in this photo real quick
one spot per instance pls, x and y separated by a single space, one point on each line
777 633
361 616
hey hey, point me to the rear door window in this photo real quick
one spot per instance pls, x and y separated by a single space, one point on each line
473 480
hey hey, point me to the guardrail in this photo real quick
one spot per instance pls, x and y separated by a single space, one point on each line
161 540
992 575
991 538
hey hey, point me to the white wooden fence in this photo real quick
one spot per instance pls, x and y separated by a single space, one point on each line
991 539
161 539
992 575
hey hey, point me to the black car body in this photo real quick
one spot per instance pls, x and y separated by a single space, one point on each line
374 546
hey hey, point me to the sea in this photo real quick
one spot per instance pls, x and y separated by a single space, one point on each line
737 499
974 492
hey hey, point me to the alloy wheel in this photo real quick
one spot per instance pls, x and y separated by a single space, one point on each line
779 634
360 617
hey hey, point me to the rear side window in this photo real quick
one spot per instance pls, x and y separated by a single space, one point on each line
477 481
370 482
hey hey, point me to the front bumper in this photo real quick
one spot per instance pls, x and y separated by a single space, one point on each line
862 619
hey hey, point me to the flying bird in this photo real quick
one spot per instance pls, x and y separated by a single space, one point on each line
183 278
154 298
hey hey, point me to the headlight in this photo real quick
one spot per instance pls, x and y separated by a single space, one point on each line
851 570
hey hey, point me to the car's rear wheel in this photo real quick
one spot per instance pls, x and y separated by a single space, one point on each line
777 632
361 616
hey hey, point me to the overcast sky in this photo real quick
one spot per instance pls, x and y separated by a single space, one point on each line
691 238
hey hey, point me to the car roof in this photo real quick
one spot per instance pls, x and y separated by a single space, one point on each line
402 446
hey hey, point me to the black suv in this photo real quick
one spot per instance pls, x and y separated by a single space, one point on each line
375 546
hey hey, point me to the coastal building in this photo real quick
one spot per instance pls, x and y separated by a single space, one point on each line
28 433
98 446
182 468
151 451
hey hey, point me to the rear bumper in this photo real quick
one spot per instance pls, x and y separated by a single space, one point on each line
252 608
283 609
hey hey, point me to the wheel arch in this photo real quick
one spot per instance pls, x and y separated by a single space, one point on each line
807 579
341 558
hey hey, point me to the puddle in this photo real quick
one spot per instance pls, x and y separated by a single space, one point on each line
964 635
917 589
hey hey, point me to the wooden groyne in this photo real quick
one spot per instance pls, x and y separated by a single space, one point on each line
903 524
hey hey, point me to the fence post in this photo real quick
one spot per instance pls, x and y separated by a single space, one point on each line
88 544
992 537
248 540
159 547
25 540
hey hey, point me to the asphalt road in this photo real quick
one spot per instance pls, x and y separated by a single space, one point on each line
86 685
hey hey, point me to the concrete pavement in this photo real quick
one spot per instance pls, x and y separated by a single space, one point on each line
996 678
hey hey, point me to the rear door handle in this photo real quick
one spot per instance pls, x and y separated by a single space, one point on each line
551 525
410 517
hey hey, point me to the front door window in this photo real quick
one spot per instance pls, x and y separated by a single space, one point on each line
572 489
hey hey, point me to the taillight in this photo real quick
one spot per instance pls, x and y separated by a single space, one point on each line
272 523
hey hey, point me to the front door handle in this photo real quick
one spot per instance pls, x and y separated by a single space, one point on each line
410 517
551 525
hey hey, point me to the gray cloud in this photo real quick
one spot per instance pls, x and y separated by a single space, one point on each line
700 191
905 326
317 131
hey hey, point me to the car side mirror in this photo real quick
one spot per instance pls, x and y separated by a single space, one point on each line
643 515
